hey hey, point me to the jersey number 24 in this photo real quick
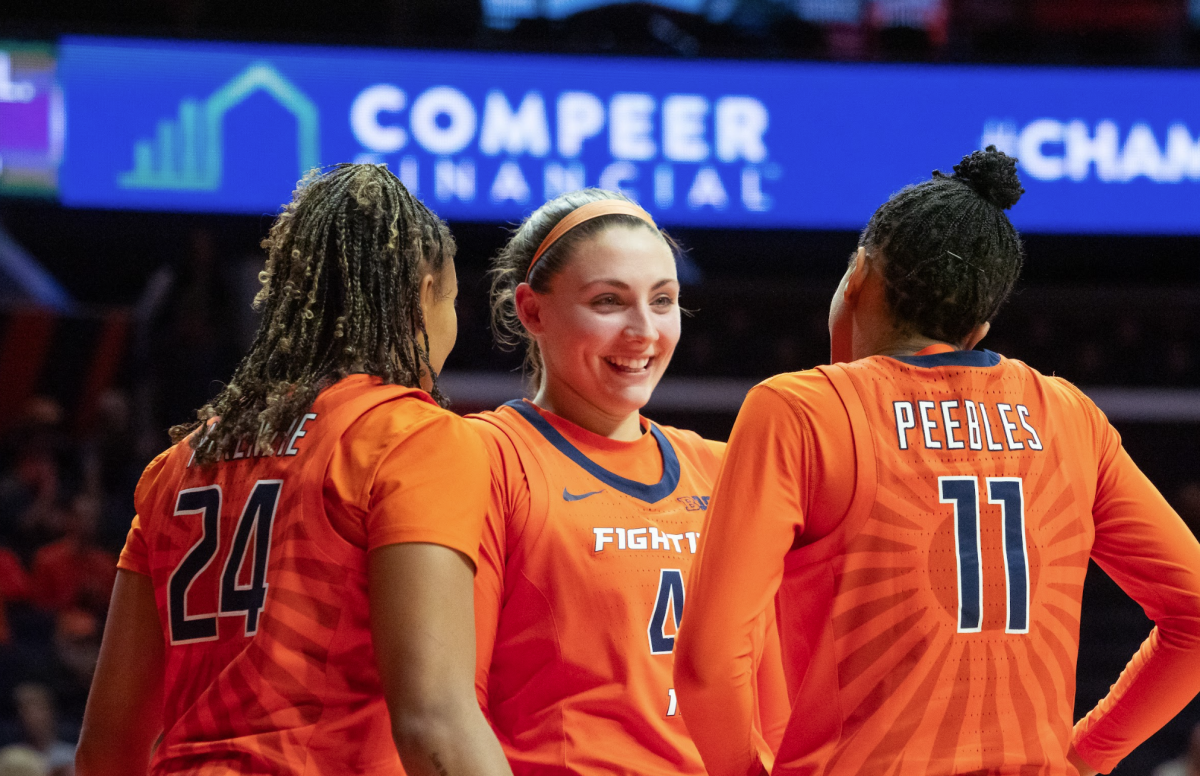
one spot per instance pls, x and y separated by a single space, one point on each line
235 599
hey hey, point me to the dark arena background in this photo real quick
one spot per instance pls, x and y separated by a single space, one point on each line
145 146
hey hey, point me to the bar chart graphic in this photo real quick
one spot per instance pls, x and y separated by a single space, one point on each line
187 153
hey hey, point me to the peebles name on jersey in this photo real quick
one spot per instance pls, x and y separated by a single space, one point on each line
961 424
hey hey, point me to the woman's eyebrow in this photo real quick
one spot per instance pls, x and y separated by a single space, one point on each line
625 286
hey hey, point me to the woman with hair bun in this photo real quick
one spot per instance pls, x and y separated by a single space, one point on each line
596 512
921 514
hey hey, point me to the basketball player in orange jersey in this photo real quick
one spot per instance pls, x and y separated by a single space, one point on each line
306 550
921 515
596 512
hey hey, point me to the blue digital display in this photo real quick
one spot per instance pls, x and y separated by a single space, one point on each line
488 137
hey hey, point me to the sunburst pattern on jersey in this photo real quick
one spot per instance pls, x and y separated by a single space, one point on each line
301 693
916 696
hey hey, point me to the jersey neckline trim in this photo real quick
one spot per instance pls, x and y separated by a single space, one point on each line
978 358
650 493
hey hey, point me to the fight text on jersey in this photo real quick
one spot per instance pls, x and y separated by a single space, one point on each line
645 539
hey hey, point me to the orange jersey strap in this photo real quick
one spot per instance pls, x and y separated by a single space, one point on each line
387 478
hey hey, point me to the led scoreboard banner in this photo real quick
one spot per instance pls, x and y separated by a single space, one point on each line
223 127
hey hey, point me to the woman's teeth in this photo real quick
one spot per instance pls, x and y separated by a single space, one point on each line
628 364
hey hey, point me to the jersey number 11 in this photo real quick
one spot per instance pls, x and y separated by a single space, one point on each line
963 493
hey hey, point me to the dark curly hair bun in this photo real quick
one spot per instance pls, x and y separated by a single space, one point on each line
949 254
993 176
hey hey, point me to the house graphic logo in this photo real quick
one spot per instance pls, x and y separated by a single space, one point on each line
187 154
10 90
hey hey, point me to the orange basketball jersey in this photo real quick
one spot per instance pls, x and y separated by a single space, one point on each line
579 597
922 526
944 610
263 603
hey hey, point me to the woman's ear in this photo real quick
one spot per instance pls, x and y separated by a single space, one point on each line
428 292
977 334
857 274
529 308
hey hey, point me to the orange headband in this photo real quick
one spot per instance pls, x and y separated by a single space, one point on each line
602 207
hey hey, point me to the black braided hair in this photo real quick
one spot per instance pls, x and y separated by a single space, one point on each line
340 295
949 254
510 266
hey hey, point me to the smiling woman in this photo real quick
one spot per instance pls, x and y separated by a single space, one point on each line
595 511
614 319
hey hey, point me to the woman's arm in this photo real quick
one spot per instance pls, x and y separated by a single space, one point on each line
508 501
1145 547
423 625
124 710
1083 768
774 707
489 593
752 521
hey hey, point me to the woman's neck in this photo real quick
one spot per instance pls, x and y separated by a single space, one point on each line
892 341
570 405
907 346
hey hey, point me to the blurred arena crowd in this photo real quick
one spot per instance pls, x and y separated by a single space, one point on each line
64 504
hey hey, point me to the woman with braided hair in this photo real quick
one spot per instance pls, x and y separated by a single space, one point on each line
300 569
595 511
920 516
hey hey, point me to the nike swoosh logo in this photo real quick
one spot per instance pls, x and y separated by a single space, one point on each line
568 496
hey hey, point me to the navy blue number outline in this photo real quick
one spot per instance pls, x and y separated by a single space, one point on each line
670 586
1009 494
258 514
1016 554
963 493
191 629
233 599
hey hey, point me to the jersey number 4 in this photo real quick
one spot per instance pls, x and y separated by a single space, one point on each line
669 599
963 493
235 599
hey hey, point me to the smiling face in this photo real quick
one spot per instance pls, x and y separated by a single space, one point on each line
608 325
